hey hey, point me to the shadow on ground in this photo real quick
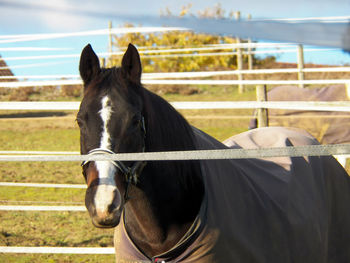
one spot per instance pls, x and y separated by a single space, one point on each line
36 114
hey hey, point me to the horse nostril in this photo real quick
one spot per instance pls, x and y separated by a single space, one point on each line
111 208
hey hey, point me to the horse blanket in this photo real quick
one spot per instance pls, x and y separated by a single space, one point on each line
263 210
329 127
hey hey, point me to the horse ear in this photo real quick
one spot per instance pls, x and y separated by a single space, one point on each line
131 64
89 65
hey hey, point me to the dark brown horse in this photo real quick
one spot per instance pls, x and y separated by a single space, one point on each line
276 210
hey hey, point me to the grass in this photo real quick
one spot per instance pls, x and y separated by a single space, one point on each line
41 172
31 195
66 229
72 229
214 93
47 139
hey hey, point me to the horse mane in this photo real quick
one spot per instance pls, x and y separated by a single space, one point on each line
167 130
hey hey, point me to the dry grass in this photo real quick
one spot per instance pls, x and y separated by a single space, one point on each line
15 122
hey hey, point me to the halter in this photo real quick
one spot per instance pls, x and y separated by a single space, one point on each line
131 173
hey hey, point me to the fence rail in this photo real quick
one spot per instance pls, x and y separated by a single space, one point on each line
74 208
59 250
198 74
340 106
307 150
236 153
182 82
14 84
43 185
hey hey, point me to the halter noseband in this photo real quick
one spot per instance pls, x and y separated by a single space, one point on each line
130 173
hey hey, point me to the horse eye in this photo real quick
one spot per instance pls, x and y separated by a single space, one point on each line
81 123
137 121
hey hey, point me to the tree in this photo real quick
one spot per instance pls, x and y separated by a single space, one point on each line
180 61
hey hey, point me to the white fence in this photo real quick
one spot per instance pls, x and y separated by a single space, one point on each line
183 82
155 79
340 106
58 250
311 150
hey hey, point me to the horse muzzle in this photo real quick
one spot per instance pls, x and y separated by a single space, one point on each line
104 204
108 221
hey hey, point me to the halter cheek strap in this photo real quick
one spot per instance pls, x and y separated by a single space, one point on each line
130 173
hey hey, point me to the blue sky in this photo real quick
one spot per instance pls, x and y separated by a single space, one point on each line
57 16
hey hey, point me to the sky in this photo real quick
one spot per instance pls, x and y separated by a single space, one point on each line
62 16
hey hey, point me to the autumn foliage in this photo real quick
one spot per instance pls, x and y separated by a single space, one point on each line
182 60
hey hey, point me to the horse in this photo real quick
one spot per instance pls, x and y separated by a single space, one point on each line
283 209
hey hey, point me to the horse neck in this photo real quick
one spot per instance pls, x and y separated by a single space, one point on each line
169 194
142 223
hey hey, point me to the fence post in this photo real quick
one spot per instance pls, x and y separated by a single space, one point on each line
239 66
347 88
262 113
239 57
250 56
300 64
110 44
103 62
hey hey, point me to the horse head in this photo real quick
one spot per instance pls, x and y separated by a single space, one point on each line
111 120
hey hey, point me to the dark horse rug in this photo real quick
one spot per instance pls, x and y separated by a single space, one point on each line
329 127
263 210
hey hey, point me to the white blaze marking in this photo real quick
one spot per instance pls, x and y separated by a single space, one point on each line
105 113
106 190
